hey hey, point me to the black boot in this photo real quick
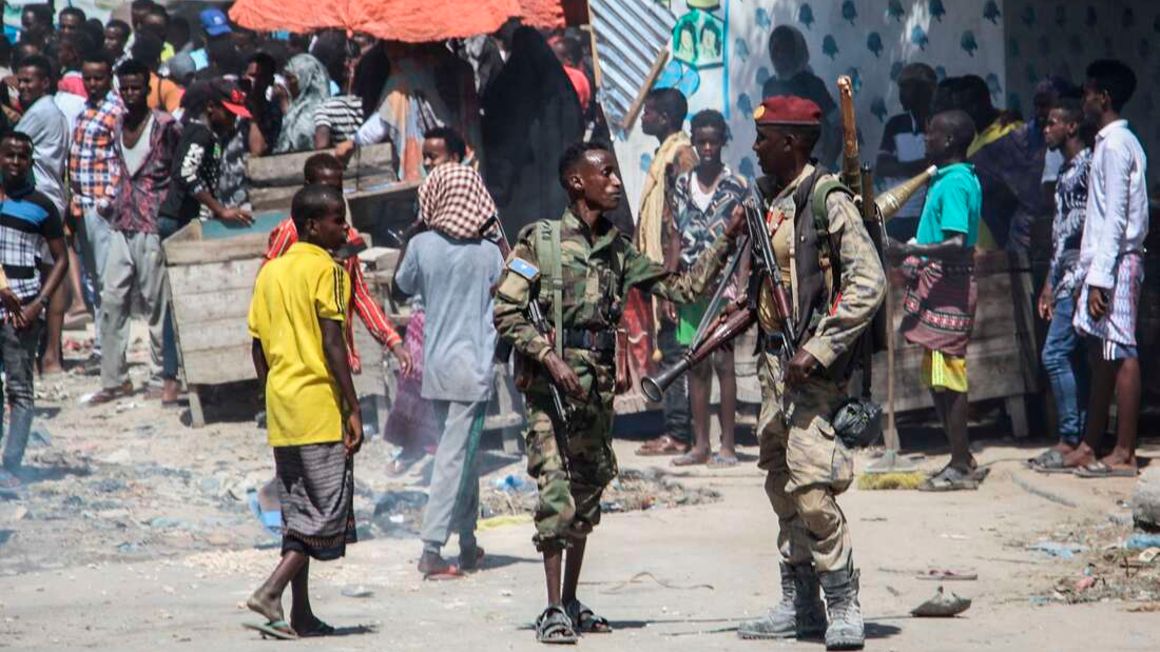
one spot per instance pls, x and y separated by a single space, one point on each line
800 612
846 630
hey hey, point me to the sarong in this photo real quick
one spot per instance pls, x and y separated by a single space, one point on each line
939 307
411 425
316 485
1119 324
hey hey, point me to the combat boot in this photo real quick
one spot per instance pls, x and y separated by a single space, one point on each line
800 612
846 630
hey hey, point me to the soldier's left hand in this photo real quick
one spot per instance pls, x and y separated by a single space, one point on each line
801 367
737 224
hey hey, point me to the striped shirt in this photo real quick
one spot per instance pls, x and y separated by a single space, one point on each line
343 115
28 218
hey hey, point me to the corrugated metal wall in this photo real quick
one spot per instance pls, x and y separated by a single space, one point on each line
629 33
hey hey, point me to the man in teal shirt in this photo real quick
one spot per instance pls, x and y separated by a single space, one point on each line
939 309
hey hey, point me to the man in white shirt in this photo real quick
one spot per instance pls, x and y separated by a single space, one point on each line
1111 264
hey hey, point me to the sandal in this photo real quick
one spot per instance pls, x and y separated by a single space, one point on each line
1102 470
554 627
279 629
586 620
1049 461
690 459
663 445
951 479
719 461
110 394
436 568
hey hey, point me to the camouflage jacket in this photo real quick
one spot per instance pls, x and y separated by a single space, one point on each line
598 268
862 286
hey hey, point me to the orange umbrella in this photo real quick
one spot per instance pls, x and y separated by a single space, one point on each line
546 14
411 21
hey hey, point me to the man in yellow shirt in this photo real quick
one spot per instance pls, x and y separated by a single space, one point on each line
296 319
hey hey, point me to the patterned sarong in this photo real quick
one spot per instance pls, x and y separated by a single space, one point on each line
1119 324
939 308
316 484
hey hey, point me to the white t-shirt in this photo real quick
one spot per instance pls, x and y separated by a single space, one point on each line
135 155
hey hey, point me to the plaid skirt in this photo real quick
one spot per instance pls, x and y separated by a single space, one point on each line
1119 324
316 484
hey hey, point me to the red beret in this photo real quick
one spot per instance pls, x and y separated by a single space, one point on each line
787 110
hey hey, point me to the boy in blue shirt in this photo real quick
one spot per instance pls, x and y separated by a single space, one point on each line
939 308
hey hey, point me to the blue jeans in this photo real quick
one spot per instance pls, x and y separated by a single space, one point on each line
18 355
1068 381
676 410
166 227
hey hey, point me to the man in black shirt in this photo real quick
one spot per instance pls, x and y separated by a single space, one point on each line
211 110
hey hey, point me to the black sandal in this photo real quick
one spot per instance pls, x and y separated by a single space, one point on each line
554 627
586 620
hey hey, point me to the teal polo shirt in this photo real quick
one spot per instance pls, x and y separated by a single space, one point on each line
954 204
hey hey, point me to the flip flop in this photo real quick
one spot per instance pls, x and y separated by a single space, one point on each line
1049 461
279 629
1101 470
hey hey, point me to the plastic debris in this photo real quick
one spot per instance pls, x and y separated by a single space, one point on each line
1142 541
1057 549
942 605
357 591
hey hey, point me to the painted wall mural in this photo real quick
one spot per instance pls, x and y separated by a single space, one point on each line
870 40
1061 37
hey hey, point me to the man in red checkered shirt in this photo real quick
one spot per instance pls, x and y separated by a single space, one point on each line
326 169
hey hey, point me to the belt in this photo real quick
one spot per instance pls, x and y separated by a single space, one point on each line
597 341
21 272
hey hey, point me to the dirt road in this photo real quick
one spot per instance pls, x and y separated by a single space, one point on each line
668 578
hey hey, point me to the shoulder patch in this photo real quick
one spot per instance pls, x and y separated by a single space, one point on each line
525 269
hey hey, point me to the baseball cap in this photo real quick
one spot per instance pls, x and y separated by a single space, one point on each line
223 91
214 22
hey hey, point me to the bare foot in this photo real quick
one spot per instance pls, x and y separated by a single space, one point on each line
265 605
169 391
1081 456
1063 448
727 452
1120 459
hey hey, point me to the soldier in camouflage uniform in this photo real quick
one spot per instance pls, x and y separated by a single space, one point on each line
836 282
598 265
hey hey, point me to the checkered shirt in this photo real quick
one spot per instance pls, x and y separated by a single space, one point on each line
94 170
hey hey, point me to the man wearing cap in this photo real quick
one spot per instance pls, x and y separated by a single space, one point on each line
183 65
212 108
827 260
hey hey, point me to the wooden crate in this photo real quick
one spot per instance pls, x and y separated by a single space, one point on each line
212 269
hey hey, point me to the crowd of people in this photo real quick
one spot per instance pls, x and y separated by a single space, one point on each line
115 136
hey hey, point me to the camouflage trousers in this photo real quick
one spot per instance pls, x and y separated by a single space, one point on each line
807 467
568 507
